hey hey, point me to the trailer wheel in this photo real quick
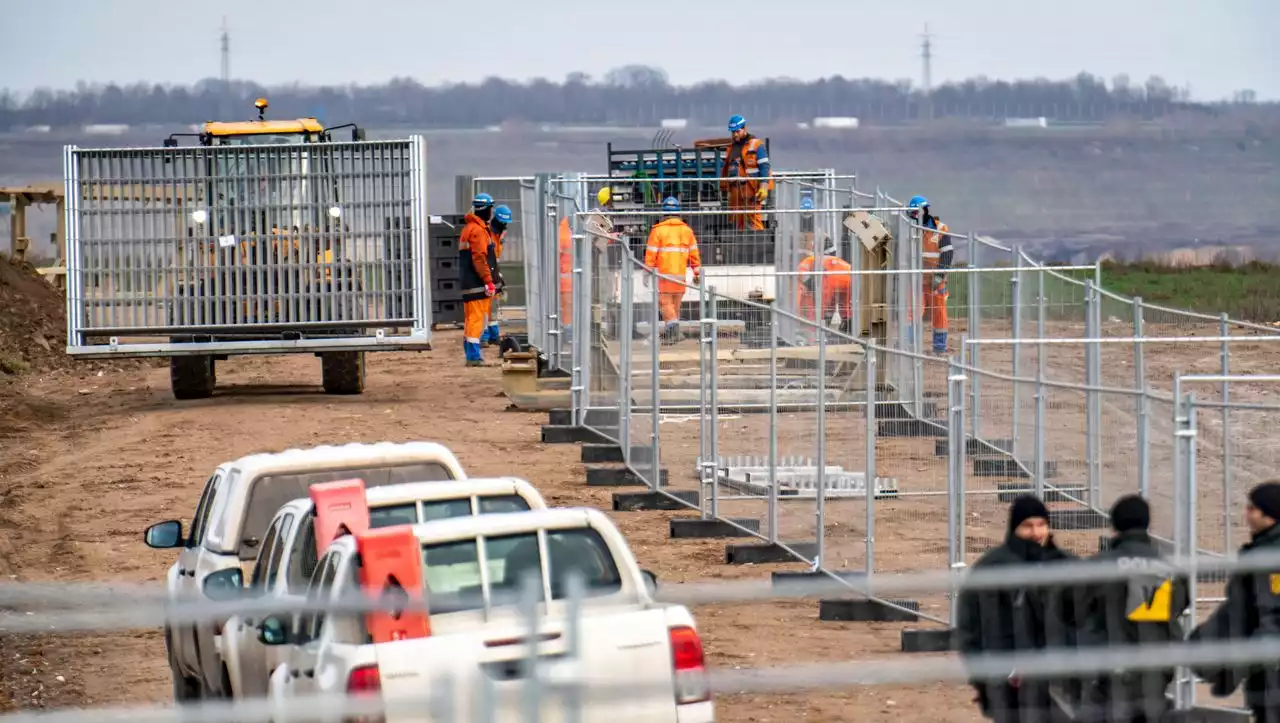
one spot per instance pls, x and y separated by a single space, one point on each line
342 372
192 377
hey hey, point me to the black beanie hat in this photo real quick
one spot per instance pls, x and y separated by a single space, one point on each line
1266 497
1130 512
1025 507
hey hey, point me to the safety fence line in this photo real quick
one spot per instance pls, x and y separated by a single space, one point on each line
1051 664
150 605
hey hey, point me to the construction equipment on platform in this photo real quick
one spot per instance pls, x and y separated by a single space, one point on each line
267 237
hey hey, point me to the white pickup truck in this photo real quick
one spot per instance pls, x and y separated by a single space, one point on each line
304 527
645 656
230 521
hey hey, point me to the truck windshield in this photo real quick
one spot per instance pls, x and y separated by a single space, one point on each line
269 493
407 513
264 139
452 569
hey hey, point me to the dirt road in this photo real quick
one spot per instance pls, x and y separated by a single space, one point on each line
89 459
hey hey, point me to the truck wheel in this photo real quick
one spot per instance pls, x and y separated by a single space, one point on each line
342 372
192 377
184 688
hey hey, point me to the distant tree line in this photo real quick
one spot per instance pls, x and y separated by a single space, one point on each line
632 95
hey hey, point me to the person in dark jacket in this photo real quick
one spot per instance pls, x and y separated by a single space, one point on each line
1251 610
1012 619
1141 609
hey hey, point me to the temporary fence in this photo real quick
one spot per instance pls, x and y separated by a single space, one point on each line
554 686
317 240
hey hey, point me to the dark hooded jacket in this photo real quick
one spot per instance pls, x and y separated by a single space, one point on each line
1251 610
1015 619
1141 609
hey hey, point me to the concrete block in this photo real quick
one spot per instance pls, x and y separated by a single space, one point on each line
900 411
612 454
1009 490
927 640
598 476
1006 467
976 447
665 500
805 580
753 554
559 434
868 611
685 528
911 428
1078 519
594 417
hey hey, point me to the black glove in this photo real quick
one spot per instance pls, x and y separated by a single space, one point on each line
499 283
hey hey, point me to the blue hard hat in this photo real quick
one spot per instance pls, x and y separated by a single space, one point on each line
806 204
737 123
482 200
917 202
671 203
502 214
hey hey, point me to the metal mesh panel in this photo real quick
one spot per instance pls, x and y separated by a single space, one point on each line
322 239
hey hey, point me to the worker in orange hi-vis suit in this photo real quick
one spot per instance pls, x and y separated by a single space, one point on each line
672 248
747 157
477 257
566 279
836 285
938 253
498 227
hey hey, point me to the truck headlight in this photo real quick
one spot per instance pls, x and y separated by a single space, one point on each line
199 216
335 212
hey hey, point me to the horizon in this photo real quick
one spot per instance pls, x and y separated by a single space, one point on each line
1213 51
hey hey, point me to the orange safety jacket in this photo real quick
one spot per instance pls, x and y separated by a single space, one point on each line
671 249
476 255
743 159
831 283
566 256
936 246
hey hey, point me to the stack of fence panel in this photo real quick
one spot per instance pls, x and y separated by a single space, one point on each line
446 273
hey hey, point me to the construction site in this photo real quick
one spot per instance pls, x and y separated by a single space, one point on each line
755 437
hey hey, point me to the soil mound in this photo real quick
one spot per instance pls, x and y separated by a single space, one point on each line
32 321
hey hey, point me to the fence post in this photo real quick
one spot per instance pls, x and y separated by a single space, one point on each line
624 336
1042 367
655 370
1184 530
869 366
956 439
1227 451
1143 401
1015 282
578 361
821 479
1093 416
974 285
715 397
583 344
550 243
706 458
773 424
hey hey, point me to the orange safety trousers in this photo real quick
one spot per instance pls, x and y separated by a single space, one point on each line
566 273
475 315
934 303
742 197
840 297
669 304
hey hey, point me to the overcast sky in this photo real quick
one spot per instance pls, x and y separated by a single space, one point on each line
1215 46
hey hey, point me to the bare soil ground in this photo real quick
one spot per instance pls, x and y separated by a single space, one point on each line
103 456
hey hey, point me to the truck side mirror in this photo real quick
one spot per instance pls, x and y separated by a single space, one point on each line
272 631
171 143
357 134
164 535
225 584
651 580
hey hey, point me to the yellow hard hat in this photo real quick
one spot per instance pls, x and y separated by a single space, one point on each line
603 195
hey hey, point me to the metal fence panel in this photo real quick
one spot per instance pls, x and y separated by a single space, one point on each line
326 240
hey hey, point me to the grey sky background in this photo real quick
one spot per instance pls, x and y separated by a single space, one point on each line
1216 47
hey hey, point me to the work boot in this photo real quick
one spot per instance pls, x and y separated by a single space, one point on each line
476 363
940 342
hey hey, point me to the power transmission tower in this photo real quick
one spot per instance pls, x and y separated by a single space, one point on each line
926 57
224 95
